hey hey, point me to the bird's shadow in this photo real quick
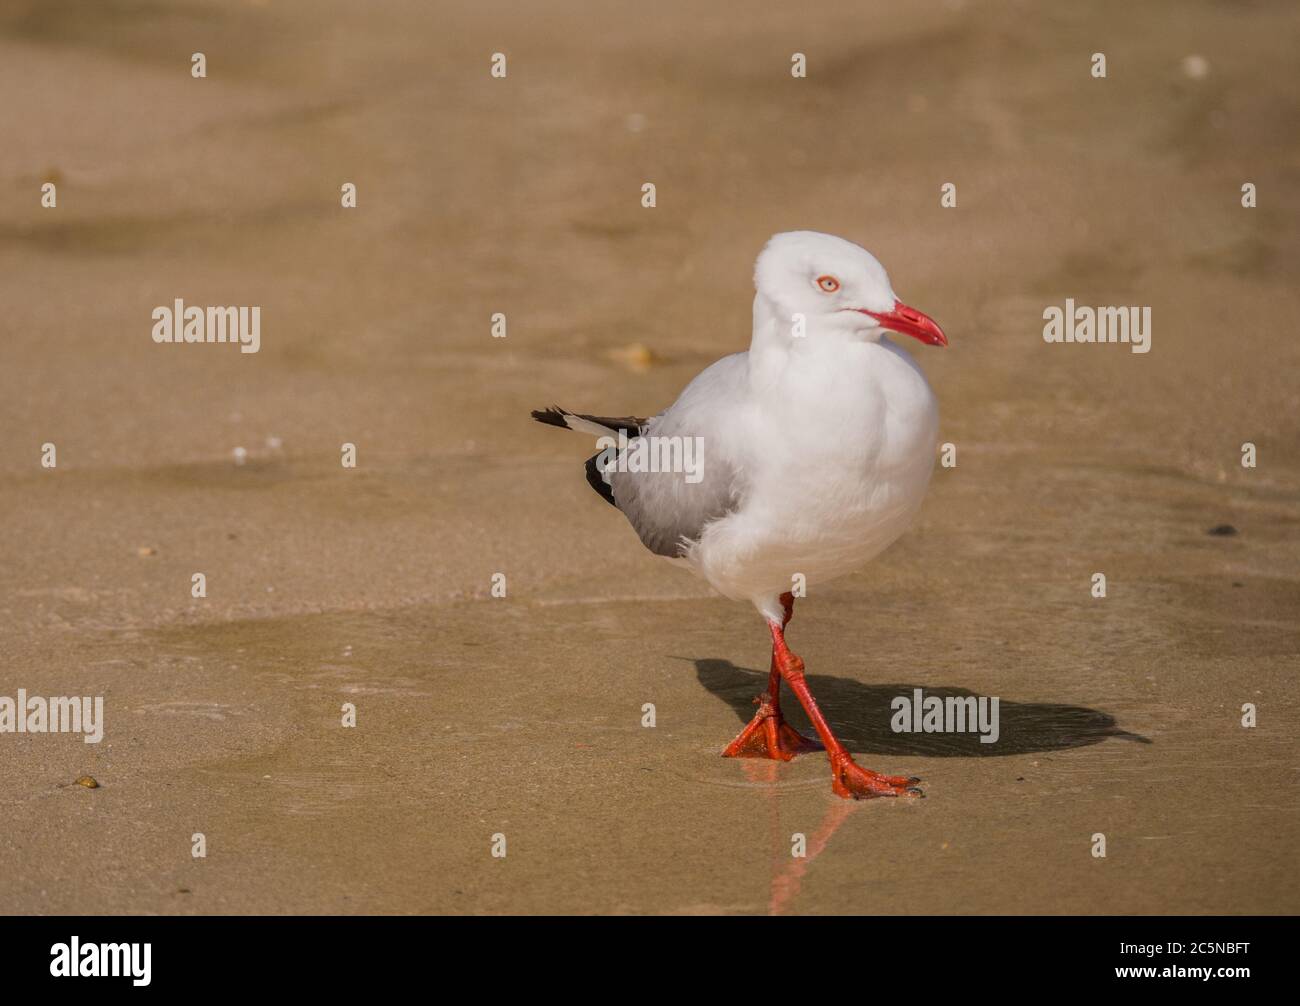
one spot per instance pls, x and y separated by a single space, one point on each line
860 716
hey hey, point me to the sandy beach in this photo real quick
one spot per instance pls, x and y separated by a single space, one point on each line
521 715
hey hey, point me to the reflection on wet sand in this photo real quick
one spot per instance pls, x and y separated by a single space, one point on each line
788 870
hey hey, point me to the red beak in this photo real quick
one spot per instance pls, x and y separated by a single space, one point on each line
910 321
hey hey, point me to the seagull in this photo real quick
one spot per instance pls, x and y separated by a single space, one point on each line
809 455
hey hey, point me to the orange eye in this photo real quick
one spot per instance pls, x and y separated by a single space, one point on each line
828 284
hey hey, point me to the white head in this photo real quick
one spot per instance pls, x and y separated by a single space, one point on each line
836 286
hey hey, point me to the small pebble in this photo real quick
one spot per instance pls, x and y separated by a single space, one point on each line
88 781
144 550
635 357
240 455
1222 530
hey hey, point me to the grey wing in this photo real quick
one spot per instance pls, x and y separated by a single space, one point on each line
667 512
695 440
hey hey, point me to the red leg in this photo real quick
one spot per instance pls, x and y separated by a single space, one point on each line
768 735
848 779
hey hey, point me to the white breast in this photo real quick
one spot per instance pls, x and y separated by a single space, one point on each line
842 454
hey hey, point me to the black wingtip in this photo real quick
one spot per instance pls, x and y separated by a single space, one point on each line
554 416
597 481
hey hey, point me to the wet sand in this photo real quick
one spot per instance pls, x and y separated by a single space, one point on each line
479 715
